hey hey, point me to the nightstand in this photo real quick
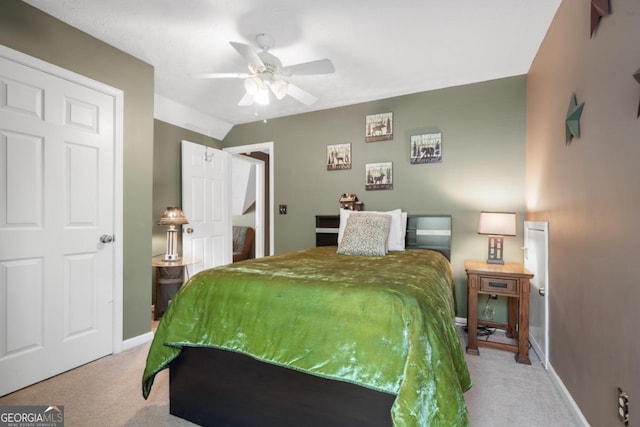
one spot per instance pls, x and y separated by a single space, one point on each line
510 280
170 275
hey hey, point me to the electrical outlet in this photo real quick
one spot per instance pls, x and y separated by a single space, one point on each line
623 406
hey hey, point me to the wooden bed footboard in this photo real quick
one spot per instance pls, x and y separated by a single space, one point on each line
214 387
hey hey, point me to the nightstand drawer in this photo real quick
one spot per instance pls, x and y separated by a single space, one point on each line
498 285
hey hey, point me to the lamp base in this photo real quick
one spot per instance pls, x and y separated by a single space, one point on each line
172 244
495 250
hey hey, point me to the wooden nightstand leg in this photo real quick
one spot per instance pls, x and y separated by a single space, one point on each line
472 315
512 317
523 324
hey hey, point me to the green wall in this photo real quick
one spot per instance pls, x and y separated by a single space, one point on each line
483 149
35 33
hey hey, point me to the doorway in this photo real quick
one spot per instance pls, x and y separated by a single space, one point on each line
264 152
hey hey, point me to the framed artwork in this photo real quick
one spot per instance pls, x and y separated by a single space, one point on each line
378 127
338 157
379 176
426 148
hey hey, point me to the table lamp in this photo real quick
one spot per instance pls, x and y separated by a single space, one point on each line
172 216
497 225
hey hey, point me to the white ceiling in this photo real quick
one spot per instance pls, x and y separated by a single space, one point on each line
380 49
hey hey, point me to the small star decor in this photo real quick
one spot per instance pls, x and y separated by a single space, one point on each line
572 124
637 77
599 9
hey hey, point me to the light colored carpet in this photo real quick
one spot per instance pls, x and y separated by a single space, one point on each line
505 393
107 393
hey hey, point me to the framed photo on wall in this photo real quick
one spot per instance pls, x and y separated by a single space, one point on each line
378 127
379 176
426 148
338 156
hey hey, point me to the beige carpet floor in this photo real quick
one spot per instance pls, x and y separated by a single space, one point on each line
107 393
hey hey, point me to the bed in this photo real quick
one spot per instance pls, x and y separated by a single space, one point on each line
317 338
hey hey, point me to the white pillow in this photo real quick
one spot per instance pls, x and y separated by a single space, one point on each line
396 232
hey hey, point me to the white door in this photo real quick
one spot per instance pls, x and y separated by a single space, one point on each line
536 243
57 142
206 202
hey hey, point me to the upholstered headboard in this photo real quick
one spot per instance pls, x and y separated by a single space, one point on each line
423 232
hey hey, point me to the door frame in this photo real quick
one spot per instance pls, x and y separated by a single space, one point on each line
258 182
118 95
265 147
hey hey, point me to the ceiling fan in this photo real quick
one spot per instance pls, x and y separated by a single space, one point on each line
266 74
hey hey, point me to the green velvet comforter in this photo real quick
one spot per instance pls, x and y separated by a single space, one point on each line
386 323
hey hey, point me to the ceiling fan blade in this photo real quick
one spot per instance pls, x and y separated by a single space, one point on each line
301 95
222 76
250 55
247 99
321 66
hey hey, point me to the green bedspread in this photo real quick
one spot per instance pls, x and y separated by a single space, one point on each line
386 323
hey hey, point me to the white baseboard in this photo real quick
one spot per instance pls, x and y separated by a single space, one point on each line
565 393
136 341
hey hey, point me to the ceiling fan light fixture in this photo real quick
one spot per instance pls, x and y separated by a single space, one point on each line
262 97
266 74
279 88
253 85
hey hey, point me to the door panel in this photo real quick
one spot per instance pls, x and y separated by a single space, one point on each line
57 146
206 202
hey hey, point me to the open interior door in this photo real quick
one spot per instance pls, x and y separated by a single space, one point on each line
206 202
536 243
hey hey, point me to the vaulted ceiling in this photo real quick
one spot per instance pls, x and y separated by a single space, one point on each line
380 49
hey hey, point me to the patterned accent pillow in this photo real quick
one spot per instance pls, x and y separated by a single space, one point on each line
365 234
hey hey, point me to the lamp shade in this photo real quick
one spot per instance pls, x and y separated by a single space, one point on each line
173 216
497 223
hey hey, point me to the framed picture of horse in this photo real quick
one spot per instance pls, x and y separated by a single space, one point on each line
378 127
379 176
338 157
426 148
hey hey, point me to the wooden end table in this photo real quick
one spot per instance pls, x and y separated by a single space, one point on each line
510 280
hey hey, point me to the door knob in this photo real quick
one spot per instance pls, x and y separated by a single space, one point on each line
106 238
541 291
189 230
